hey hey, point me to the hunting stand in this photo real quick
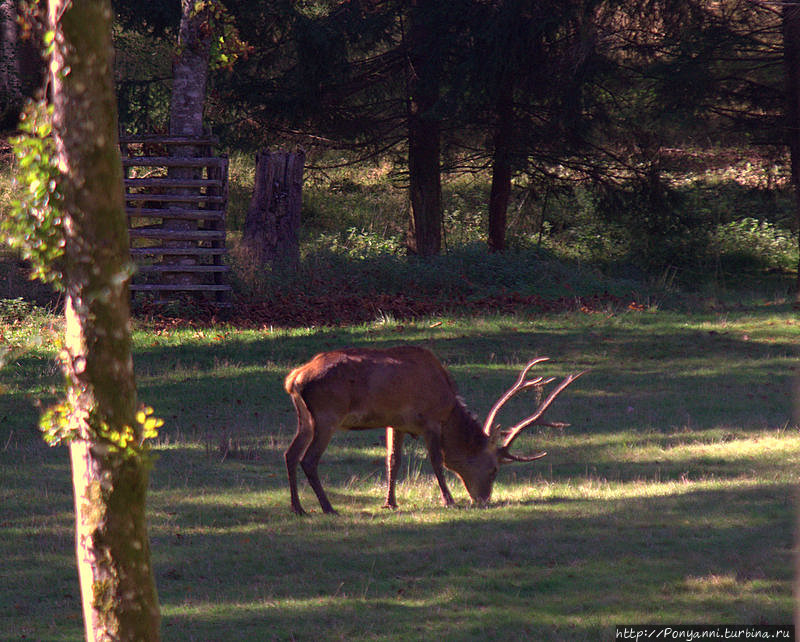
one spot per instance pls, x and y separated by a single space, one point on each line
176 195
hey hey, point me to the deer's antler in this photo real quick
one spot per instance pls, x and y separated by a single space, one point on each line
519 385
512 433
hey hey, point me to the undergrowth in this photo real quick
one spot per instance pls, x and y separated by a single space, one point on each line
468 271
721 230
738 238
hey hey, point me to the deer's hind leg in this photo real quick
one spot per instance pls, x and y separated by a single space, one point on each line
304 436
323 431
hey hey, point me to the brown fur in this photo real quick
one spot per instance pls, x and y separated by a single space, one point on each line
405 390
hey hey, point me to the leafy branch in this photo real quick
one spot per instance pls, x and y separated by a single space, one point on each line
33 225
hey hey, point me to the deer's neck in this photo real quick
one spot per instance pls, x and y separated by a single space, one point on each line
462 435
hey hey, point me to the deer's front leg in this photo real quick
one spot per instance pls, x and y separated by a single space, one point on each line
434 444
394 456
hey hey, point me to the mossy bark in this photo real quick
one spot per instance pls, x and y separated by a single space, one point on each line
109 475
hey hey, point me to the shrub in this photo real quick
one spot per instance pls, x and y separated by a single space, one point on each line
752 243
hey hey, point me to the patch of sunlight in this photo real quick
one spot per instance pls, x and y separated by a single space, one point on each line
720 443
207 530
34 529
180 372
343 449
757 447
209 609
228 498
603 489
178 445
730 584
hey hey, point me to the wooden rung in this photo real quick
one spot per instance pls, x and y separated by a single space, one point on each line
167 161
176 212
189 287
173 182
182 268
177 235
178 251
175 198
169 140
141 205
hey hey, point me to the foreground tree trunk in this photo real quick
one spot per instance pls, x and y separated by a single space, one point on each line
272 225
791 57
424 172
109 462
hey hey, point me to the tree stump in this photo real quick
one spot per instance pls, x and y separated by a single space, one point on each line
272 225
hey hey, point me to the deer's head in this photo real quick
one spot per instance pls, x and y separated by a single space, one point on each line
478 467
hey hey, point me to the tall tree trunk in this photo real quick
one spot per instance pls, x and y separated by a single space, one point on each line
109 473
22 69
791 58
425 232
501 169
425 225
190 72
10 81
189 80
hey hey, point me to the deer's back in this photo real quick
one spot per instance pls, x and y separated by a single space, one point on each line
404 386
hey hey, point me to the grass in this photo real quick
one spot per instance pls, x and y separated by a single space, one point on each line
669 499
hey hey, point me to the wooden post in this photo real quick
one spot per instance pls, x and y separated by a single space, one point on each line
272 225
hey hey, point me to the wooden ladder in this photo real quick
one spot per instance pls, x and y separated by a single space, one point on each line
176 223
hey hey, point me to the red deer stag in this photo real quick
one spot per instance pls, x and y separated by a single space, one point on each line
407 391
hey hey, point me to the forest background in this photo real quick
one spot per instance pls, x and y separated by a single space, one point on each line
646 143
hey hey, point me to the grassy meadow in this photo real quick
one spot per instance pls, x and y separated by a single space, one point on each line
670 499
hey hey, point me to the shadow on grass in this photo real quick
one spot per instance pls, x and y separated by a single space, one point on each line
640 377
229 557
551 570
